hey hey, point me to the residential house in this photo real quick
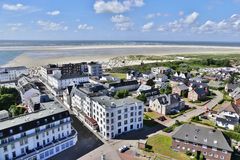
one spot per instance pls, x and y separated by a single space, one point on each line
167 104
130 85
196 139
197 94
181 90
228 116
161 78
143 87
161 70
230 87
27 89
150 94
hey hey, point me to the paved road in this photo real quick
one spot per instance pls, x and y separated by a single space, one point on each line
200 109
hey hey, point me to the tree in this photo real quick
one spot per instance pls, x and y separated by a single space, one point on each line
16 110
142 97
6 100
237 128
150 82
167 90
121 94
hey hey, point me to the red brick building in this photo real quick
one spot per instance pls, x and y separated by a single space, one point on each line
210 142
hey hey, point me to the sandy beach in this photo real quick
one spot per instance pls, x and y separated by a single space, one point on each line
36 56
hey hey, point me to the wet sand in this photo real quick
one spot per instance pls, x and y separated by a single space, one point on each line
36 56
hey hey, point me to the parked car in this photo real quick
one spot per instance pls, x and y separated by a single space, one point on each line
123 149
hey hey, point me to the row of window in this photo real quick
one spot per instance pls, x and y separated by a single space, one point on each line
204 153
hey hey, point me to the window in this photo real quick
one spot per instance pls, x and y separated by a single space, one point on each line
210 154
139 119
42 156
223 151
132 108
221 157
5 148
125 110
119 124
125 122
204 153
119 117
131 114
12 146
57 149
46 154
112 114
139 107
22 150
140 113
125 115
119 111
6 156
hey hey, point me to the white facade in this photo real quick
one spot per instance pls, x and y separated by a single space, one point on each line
12 73
64 83
113 116
95 69
39 142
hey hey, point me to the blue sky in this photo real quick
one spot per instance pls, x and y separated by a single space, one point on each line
174 20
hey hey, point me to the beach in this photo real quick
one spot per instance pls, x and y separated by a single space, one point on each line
41 55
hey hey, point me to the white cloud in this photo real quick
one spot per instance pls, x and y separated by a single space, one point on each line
190 19
230 25
52 26
15 26
116 6
122 23
147 27
153 15
14 7
85 27
53 13
180 24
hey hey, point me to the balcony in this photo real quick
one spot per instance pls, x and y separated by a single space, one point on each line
37 131
47 146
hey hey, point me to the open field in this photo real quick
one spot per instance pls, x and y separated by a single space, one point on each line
161 144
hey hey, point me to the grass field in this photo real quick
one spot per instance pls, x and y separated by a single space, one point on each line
119 75
161 144
152 115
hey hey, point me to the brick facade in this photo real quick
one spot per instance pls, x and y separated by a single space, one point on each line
208 152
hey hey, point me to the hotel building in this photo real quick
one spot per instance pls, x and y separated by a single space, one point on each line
38 135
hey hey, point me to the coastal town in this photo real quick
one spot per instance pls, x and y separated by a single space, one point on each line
87 111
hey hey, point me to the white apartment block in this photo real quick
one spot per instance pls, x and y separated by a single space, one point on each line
9 74
38 135
112 116
95 69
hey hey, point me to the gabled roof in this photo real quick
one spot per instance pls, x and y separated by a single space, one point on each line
230 107
182 87
203 136
168 99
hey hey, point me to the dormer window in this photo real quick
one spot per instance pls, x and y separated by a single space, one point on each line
186 136
205 139
195 137
11 131
20 128
215 141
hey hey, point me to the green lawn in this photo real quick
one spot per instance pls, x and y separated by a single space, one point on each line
152 115
119 75
161 144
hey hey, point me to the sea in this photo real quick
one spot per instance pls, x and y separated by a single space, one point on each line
8 49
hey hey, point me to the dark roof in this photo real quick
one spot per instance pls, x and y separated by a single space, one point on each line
169 99
200 91
51 112
182 87
228 120
232 86
123 83
203 136
151 92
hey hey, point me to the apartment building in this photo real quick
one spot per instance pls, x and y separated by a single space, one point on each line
38 135
9 74
210 142
94 69
110 116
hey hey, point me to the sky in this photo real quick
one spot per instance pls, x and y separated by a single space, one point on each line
160 20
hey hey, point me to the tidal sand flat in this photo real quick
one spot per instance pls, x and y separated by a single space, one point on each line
41 55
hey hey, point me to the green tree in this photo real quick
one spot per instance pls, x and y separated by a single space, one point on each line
150 82
6 100
121 94
142 98
16 110
237 128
